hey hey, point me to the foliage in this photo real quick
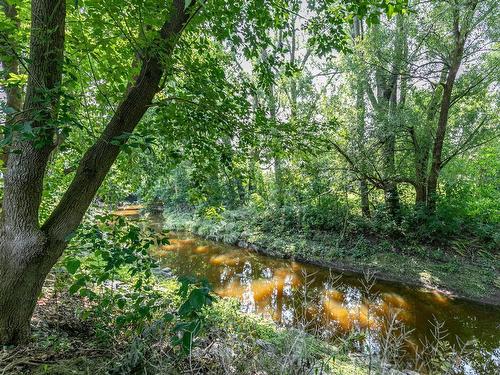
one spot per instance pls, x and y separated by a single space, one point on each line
106 251
196 295
298 153
304 127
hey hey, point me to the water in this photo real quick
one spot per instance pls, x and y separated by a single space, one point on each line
331 304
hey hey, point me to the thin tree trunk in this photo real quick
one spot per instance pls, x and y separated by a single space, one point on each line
10 65
388 95
361 112
253 161
460 35
278 172
253 157
365 199
441 132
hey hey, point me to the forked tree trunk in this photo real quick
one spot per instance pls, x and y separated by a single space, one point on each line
28 251
432 181
385 108
24 261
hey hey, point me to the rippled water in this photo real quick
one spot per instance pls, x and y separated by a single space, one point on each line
332 304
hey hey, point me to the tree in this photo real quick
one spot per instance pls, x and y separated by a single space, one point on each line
445 53
405 66
463 18
29 250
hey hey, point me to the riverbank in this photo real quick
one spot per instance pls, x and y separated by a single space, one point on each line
231 342
424 266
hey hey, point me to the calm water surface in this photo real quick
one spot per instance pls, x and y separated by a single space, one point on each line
332 304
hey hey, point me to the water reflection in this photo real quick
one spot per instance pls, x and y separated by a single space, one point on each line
294 293
129 211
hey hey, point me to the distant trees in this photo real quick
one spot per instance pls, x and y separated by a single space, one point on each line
376 125
410 69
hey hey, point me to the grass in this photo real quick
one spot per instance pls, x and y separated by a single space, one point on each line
432 267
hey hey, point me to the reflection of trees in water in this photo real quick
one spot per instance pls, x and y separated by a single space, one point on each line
321 303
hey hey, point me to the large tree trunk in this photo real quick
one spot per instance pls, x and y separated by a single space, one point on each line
23 274
27 250
23 246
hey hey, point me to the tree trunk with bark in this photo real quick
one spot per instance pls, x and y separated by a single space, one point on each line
278 164
386 105
29 250
361 113
25 258
10 65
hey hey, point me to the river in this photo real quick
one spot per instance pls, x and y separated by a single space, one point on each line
332 304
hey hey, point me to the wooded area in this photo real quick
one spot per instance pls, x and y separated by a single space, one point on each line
353 134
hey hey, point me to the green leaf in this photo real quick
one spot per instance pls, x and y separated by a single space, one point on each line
121 303
74 288
168 317
72 265
197 299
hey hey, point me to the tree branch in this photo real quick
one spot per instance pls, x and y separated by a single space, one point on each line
99 158
464 146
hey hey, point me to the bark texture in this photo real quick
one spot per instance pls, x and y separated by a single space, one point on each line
24 260
437 150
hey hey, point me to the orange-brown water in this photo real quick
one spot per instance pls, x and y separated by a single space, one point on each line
294 293
328 303
129 211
